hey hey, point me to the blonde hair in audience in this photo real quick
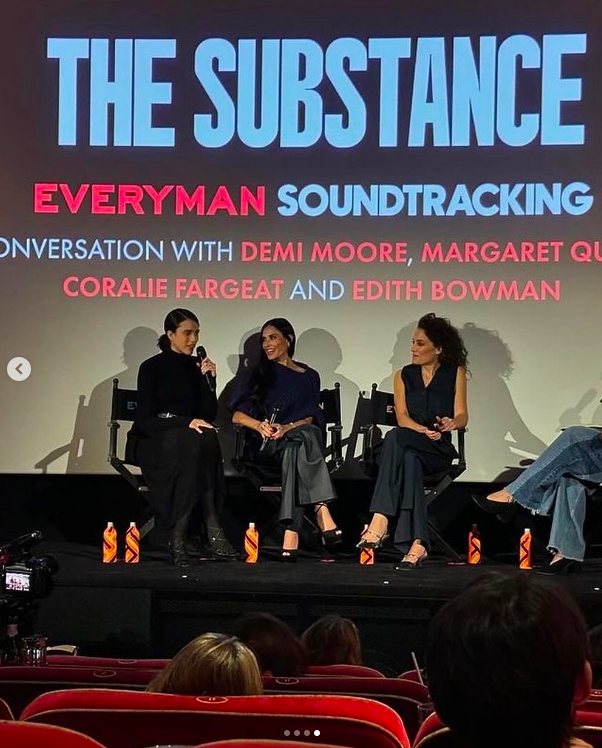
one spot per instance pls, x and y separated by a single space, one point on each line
212 664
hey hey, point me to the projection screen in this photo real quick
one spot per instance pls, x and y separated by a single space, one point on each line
348 165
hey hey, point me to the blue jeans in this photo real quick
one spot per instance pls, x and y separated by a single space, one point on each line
557 484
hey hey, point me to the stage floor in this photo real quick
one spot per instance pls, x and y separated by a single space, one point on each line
156 608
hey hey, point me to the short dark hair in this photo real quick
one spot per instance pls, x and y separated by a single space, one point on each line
503 660
278 649
441 332
171 323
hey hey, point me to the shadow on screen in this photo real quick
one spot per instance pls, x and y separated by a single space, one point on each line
239 364
87 450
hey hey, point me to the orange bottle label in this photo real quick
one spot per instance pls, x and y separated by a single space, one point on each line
366 556
251 546
474 548
132 546
109 545
524 556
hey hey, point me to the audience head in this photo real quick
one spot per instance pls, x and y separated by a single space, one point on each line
333 640
278 649
181 331
595 643
444 337
212 664
507 661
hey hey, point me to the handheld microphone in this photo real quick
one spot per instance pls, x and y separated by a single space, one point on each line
273 416
201 354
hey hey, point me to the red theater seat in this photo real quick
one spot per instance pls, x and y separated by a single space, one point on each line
25 735
125 719
410 675
359 671
19 685
5 711
434 734
589 727
106 662
243 743
401 695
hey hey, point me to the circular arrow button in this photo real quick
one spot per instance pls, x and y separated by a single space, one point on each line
18 368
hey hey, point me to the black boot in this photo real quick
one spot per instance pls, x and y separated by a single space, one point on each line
219 544
178 542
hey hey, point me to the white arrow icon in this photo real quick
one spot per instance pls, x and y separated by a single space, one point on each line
18 368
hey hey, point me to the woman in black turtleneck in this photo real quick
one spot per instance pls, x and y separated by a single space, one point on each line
175 444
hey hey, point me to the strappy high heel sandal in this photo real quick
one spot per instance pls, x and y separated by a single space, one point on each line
289 556
409 565
328 537
372 544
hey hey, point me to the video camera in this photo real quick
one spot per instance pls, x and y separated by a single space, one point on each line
24 579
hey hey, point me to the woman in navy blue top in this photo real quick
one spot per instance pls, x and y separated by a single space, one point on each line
430 402
279 403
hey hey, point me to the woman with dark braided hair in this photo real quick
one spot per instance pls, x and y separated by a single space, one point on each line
279 403
430 402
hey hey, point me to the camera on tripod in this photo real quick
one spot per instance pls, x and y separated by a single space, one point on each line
24 578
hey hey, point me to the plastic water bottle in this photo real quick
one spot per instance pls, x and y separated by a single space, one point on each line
251 544
474 545
366 554
524 554
109 544
132 544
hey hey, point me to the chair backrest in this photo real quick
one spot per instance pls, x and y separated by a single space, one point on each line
19 685
401 695
105 662
360 671
588 727
330 404
26 735
123 403
410 675
5 711
124 719
266 743
433 733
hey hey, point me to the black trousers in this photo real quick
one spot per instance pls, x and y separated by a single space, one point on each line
305 477
399 491
185 476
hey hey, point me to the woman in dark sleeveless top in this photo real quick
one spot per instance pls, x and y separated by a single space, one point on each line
430 402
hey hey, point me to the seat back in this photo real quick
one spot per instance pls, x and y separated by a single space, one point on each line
265 743
383 414
6 713
360 671
19 685
123 719
402 696
330 404
433 733
25 735
105 662
123 409
588 727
